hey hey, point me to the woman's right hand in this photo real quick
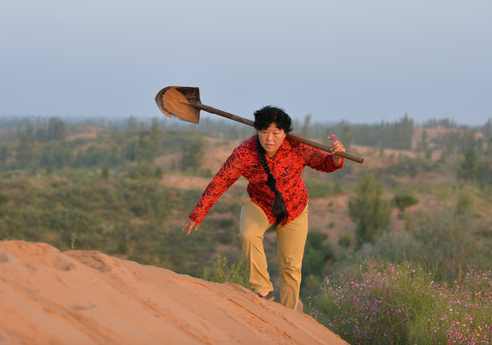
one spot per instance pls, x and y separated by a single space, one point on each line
189 225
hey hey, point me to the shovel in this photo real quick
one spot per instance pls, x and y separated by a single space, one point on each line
184 102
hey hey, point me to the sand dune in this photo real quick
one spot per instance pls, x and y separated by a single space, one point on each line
87 297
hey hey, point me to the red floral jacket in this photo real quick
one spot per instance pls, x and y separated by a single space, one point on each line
286 168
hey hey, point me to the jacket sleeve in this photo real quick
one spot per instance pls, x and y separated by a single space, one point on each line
228 174
318 160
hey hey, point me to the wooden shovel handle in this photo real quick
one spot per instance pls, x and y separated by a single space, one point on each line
222 113
325 148
295 137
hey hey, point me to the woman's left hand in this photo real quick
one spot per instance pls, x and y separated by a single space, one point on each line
336 147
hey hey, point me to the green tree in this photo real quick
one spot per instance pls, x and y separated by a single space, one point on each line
469 166
132 125
154 139
404 132
369 210
25 151
143 152
55 156
424 145
192 154
56 129
131 151
487 135
347 137
305 127
4 154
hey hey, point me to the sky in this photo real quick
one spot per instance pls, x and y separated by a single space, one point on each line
356 61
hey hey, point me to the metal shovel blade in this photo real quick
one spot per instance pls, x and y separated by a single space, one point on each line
174 101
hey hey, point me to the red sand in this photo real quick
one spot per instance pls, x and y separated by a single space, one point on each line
87 297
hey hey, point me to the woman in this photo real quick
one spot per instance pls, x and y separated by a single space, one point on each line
276 199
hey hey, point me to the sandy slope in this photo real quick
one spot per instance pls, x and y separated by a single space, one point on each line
84 297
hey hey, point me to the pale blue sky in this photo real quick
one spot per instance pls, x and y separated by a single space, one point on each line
360 61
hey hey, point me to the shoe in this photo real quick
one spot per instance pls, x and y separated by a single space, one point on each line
269 297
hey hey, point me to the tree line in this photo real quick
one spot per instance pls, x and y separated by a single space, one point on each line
45 144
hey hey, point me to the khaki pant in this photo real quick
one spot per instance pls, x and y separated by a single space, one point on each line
291 240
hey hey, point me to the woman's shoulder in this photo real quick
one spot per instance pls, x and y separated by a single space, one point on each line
247 152
293 144
249 145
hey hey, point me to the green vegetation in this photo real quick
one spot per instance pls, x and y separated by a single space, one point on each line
384 303
318 189
222 272
192 154
369 210
402 201
416 275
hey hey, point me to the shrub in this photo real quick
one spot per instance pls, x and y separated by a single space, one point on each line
346 241
222 272
144 170
381 303
318 189
369 210
402 201
448 243
316 252
3 198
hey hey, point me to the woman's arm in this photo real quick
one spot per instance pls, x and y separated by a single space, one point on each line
323 161
228 174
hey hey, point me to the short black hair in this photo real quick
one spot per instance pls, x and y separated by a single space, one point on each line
265 116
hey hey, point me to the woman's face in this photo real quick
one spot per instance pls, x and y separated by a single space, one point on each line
271 138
